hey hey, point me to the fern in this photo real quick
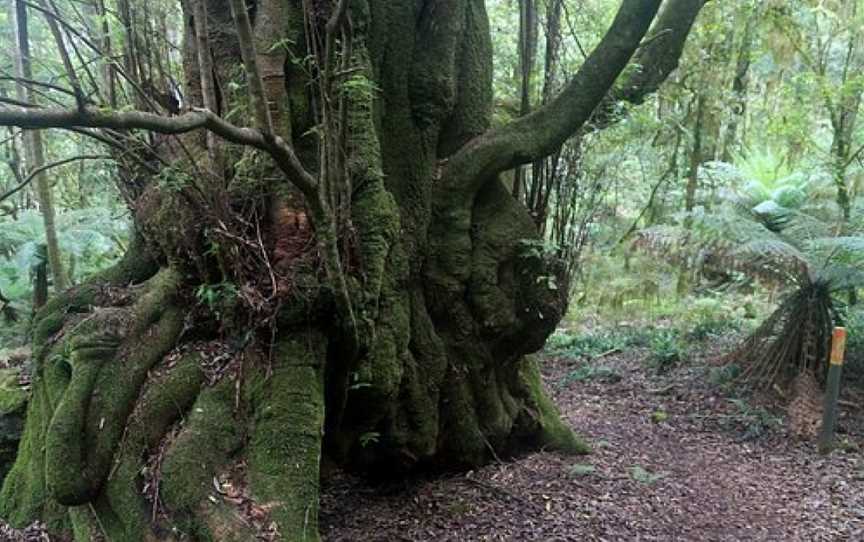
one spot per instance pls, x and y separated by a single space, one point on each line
792 248
93 238
768 243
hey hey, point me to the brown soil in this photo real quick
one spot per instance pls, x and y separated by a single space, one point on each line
676 458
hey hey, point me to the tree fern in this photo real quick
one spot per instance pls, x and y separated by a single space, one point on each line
791 248
93 237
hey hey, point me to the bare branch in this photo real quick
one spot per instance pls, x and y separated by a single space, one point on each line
95 48
193 120
539 133
32 82
247 51
19 103
33 174
11 137
64 54
338 17
117 141
205 70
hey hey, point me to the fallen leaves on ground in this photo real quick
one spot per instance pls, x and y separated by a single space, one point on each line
714 468
32 533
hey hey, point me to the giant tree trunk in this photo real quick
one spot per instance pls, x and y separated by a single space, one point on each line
193 389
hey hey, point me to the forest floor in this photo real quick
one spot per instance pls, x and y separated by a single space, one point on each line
675 458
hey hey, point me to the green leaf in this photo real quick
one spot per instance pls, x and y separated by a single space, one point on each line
643 476
581 469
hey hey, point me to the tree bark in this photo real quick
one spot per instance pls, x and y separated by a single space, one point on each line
528 27
34 151
390 330
206 74
740 79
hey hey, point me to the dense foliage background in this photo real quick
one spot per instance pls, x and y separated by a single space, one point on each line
762 115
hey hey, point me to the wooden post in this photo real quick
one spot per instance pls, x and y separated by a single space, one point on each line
832 390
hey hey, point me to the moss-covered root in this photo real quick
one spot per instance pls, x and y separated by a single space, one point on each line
201 449
85 383
541 417
284 449
168 396
110 355
13 404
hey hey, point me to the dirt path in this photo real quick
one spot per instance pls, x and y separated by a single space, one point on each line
672 462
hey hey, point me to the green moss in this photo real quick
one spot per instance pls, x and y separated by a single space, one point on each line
47 325
53 373
167 397
470 116
433 78
284 450
209 436
377 217
24 496
415 425
13 401
85 525
91 415
64 447
416 419
82 396
499 223
552 430
496 421
464 443
12 396
136 266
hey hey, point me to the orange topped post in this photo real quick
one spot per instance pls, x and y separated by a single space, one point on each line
832 389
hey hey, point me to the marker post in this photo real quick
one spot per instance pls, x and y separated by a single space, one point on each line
832 390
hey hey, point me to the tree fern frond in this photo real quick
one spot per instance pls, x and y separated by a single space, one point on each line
840 277
768 258
802 227
851 244
771 260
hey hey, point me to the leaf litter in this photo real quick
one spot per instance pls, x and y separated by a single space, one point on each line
717 467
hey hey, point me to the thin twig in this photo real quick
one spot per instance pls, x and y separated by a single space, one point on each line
64 53
27 180
32 82
195 119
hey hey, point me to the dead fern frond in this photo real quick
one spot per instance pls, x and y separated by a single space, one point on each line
793 340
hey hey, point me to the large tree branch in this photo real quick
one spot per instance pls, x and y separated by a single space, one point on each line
659 57
282 153
541 132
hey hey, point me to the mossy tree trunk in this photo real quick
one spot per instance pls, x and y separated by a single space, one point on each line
193 389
